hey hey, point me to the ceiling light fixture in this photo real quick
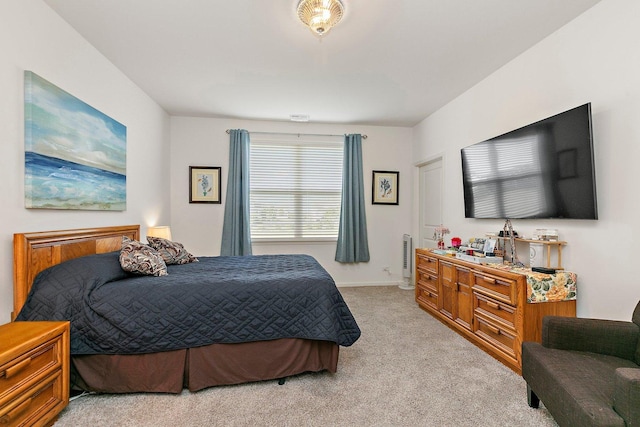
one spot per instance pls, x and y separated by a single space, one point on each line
299 117
320 15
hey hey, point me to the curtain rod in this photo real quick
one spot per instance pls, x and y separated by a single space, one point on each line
299 134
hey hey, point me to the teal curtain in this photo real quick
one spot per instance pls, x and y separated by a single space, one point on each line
236 231
353 245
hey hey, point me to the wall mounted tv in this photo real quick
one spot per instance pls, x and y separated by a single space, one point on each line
542 170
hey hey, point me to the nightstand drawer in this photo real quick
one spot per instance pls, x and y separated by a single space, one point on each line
31 405
34 372
31 366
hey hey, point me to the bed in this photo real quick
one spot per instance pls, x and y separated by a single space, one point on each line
277 341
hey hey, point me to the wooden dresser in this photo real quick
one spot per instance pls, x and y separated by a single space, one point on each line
34 372
486 305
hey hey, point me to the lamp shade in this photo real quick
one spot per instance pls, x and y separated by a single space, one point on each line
162 231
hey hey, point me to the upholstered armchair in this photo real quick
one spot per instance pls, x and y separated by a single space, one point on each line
586 371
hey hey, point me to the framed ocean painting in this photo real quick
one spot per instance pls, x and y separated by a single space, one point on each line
75 156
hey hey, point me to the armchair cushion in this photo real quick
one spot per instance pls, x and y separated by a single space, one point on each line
576 387
609 337
626 396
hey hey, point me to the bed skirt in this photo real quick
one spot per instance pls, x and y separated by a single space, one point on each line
202 367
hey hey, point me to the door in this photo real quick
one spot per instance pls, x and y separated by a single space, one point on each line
463 304
446 291
430 187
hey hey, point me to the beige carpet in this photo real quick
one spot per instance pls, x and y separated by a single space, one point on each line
407 369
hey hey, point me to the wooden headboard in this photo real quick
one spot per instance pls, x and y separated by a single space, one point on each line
34 252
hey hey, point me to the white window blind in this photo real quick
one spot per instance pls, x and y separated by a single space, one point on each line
295 190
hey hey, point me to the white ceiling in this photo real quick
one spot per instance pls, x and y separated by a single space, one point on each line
389 62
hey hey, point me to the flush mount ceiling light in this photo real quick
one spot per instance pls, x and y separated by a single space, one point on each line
320 15
299 117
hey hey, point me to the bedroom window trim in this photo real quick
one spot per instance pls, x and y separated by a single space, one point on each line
297 179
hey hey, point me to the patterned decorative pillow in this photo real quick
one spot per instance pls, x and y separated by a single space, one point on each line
136 257
171 252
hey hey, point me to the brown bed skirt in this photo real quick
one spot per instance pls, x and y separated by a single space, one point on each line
202 367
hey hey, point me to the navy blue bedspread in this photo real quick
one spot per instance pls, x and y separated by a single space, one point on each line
216 300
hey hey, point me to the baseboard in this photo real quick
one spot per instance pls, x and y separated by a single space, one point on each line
359 284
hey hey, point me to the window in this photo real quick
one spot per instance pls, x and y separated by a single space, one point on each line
295 190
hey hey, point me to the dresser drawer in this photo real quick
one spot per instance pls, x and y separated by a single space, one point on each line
428 280
496 287
34 403
427 264
427 296
498 311
496 335
31 366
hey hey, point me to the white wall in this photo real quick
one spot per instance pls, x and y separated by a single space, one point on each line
592 59
33 37
203 142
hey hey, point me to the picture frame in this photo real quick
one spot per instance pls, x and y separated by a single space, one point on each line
67 164
489 246
205 184
478 243
385 188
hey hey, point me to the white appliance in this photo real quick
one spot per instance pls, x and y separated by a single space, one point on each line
407 256
536 255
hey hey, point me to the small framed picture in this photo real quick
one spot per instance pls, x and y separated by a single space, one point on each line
385 188
204 184
489 246
478 243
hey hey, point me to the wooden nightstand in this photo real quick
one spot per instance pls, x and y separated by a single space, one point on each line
34 372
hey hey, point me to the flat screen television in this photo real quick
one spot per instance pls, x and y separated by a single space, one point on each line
542 170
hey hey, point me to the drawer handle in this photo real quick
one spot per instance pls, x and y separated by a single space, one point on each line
9 372
15 413
493 305
489 280
493 329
